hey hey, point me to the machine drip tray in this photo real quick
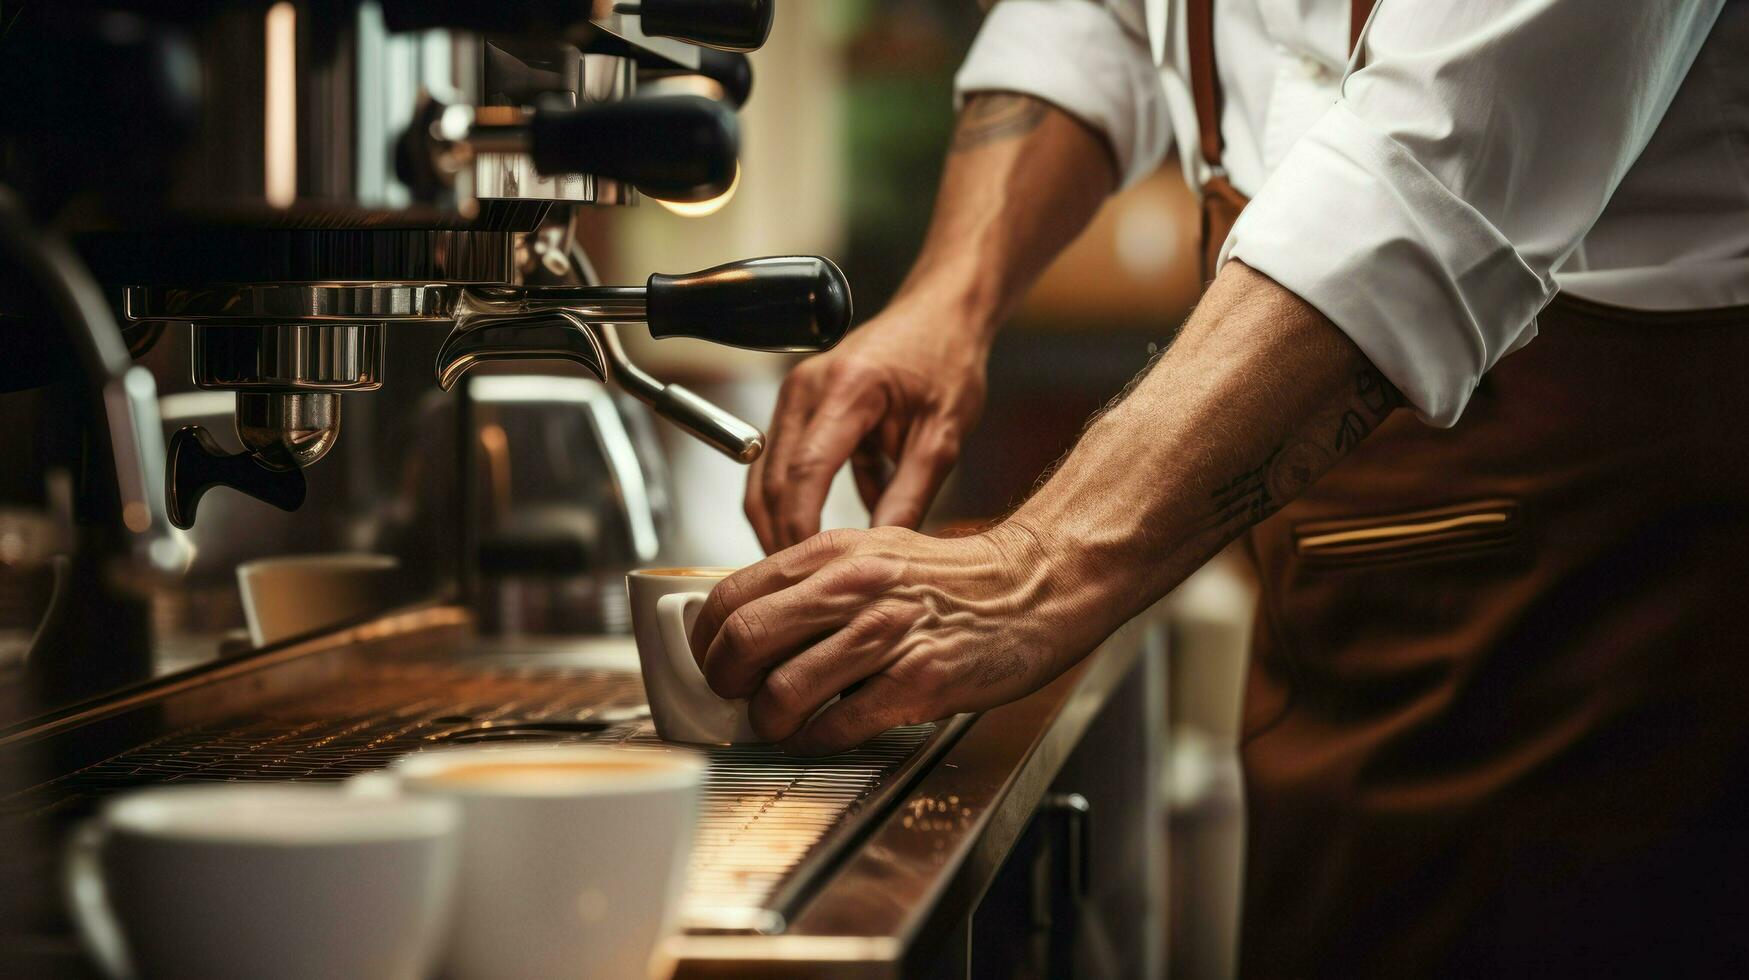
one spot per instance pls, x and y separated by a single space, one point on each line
770 825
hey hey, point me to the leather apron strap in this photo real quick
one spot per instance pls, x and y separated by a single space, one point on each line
1221 202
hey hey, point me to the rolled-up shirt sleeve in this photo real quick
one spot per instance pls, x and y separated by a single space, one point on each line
1426 212
1083 58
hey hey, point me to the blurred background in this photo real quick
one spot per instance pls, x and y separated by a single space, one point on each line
843 142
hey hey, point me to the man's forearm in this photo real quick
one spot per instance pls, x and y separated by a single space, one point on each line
1022 180
1259 396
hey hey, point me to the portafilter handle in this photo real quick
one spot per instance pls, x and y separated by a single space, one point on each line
727 25
197 463
783 303
788 303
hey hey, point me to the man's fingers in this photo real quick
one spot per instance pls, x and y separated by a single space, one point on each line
879 704
766 631
834 431
780 571
753 505
793 690
789 421
928 456
872 472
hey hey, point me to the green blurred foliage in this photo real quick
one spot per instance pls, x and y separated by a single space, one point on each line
900 59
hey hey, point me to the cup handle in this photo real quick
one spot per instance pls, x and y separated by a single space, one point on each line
88 899
675 614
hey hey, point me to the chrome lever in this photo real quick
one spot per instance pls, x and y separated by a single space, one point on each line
562 334
550 334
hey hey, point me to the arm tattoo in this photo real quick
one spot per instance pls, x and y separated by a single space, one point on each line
1246 498
1291 467
995 117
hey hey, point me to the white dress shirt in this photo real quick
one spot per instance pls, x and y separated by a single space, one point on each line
1431 195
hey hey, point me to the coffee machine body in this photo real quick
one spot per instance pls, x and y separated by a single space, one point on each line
261 261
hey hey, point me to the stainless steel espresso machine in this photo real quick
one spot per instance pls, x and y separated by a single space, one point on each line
289 276
265 220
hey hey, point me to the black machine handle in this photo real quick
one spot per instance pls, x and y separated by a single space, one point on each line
729 25
732 71
198 463
531 18
678 148
783 303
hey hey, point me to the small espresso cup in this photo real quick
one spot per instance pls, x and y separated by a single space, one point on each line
291 595
573 858
665 603
265 881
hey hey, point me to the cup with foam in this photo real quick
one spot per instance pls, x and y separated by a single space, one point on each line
573 858
665 603
268 881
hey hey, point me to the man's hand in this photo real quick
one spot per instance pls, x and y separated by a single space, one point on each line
895 399
907 627
1258 396
898 395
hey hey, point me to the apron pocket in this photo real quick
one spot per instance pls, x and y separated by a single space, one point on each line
1462 529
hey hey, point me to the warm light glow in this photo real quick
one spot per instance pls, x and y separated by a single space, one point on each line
282 105
700 209
495 443
1146 238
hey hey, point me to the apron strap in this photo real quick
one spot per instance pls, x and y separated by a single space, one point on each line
1205 79
1205 86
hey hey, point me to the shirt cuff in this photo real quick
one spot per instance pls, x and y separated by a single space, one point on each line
1424 285
1080 58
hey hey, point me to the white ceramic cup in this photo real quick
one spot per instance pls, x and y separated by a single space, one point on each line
564 874
264 881
295 594
665 603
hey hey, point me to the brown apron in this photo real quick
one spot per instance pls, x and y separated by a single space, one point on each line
1498 714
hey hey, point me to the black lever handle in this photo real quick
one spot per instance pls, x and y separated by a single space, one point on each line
784 303
524 18
730 25
732 71
197 464
678 148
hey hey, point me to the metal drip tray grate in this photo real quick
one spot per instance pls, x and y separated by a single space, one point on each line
767 825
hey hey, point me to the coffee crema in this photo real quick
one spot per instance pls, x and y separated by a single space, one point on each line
693 572
533 775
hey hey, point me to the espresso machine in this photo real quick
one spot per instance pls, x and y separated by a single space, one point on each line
304 276
276 217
